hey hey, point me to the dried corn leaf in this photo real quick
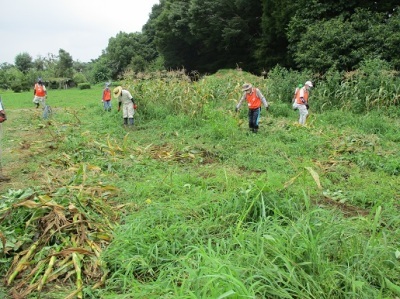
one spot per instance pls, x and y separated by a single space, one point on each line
71 250
291 181
315 176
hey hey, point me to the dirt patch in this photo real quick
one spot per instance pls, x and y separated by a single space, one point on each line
20 144
346 209
167 152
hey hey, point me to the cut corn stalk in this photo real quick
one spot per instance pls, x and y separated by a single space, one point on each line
77 265
47 273
35 273
21 264
61 271
74 293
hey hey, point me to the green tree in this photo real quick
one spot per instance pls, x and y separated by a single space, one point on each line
173 38
138 63
4 84
65 64
345 42
99 70
149 35
208 35
16 80
391 39
39 63
125 46
226 32
272 45
340 33
23 62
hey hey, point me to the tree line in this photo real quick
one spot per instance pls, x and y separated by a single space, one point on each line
208 35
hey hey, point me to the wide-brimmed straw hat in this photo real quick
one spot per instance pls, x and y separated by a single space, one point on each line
246 86
117 91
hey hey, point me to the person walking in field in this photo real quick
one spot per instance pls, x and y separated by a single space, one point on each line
107 97
40 94
127 102
254 98
301 102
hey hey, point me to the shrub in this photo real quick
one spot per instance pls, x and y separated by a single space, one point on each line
84 86
79 78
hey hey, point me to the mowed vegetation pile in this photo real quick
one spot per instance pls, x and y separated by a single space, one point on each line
189 204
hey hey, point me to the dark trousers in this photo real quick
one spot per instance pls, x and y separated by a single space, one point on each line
254 116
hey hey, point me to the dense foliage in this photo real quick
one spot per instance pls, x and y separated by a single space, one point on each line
254 35
257 35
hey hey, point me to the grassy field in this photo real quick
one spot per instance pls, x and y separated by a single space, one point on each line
189 204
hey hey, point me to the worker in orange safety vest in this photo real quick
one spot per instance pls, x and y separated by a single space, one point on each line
107 97
254 98
301 102
40 93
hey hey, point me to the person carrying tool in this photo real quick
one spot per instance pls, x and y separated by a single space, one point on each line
127 102
254 98
3 118
301 102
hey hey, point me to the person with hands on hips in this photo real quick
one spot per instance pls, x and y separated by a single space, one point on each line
254 98
127 102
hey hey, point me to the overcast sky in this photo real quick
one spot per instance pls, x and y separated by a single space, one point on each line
80 27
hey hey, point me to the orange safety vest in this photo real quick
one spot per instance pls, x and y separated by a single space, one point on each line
39 90
107 94
253 101
305 97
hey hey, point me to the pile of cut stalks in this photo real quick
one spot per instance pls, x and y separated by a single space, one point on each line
56 238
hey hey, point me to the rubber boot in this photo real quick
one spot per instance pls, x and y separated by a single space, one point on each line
131 121
125 121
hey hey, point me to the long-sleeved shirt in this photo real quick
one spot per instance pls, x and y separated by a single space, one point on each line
258 95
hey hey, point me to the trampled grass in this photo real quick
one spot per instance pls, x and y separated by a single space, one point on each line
188 204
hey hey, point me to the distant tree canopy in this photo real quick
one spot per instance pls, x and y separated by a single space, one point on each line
23 62
207 35
25 72
255 35
128 50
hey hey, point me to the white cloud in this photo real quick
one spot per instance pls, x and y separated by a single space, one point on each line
80 27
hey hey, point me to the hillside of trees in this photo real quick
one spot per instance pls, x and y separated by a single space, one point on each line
204 36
